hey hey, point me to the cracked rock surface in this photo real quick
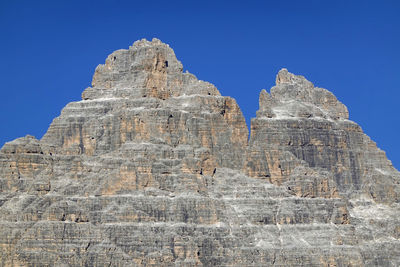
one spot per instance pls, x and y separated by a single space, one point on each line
154 167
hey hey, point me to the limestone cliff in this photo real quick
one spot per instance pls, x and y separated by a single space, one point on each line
154 167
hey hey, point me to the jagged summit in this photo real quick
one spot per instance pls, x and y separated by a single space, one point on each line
146 69
155 168
284 76
294 96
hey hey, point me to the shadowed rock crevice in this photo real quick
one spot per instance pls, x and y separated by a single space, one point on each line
154 167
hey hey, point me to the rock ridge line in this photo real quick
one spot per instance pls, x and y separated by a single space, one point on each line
154 167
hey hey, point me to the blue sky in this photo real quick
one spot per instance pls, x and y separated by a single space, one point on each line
50 49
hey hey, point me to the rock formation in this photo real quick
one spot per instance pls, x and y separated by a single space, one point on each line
154 167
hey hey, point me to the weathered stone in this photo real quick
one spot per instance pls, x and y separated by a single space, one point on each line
154 168
300 124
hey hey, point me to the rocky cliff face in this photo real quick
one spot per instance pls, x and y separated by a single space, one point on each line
155 168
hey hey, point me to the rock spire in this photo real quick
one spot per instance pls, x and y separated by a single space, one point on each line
154 167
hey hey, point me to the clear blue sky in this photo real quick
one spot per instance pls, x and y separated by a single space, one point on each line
49 50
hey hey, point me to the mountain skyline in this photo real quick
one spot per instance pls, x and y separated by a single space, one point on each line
52 49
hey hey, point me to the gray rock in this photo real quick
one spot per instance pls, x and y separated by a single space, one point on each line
154 168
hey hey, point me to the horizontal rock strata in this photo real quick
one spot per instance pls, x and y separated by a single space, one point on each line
154 167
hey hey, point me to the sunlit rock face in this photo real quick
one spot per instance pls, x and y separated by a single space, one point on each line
155 168
301 130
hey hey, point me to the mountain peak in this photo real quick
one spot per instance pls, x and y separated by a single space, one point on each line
146 69
144 42
298 97
285 77
155 167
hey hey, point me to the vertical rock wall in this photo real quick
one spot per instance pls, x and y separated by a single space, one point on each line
300 126
154 167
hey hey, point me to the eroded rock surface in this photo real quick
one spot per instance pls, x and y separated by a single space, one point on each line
154 168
